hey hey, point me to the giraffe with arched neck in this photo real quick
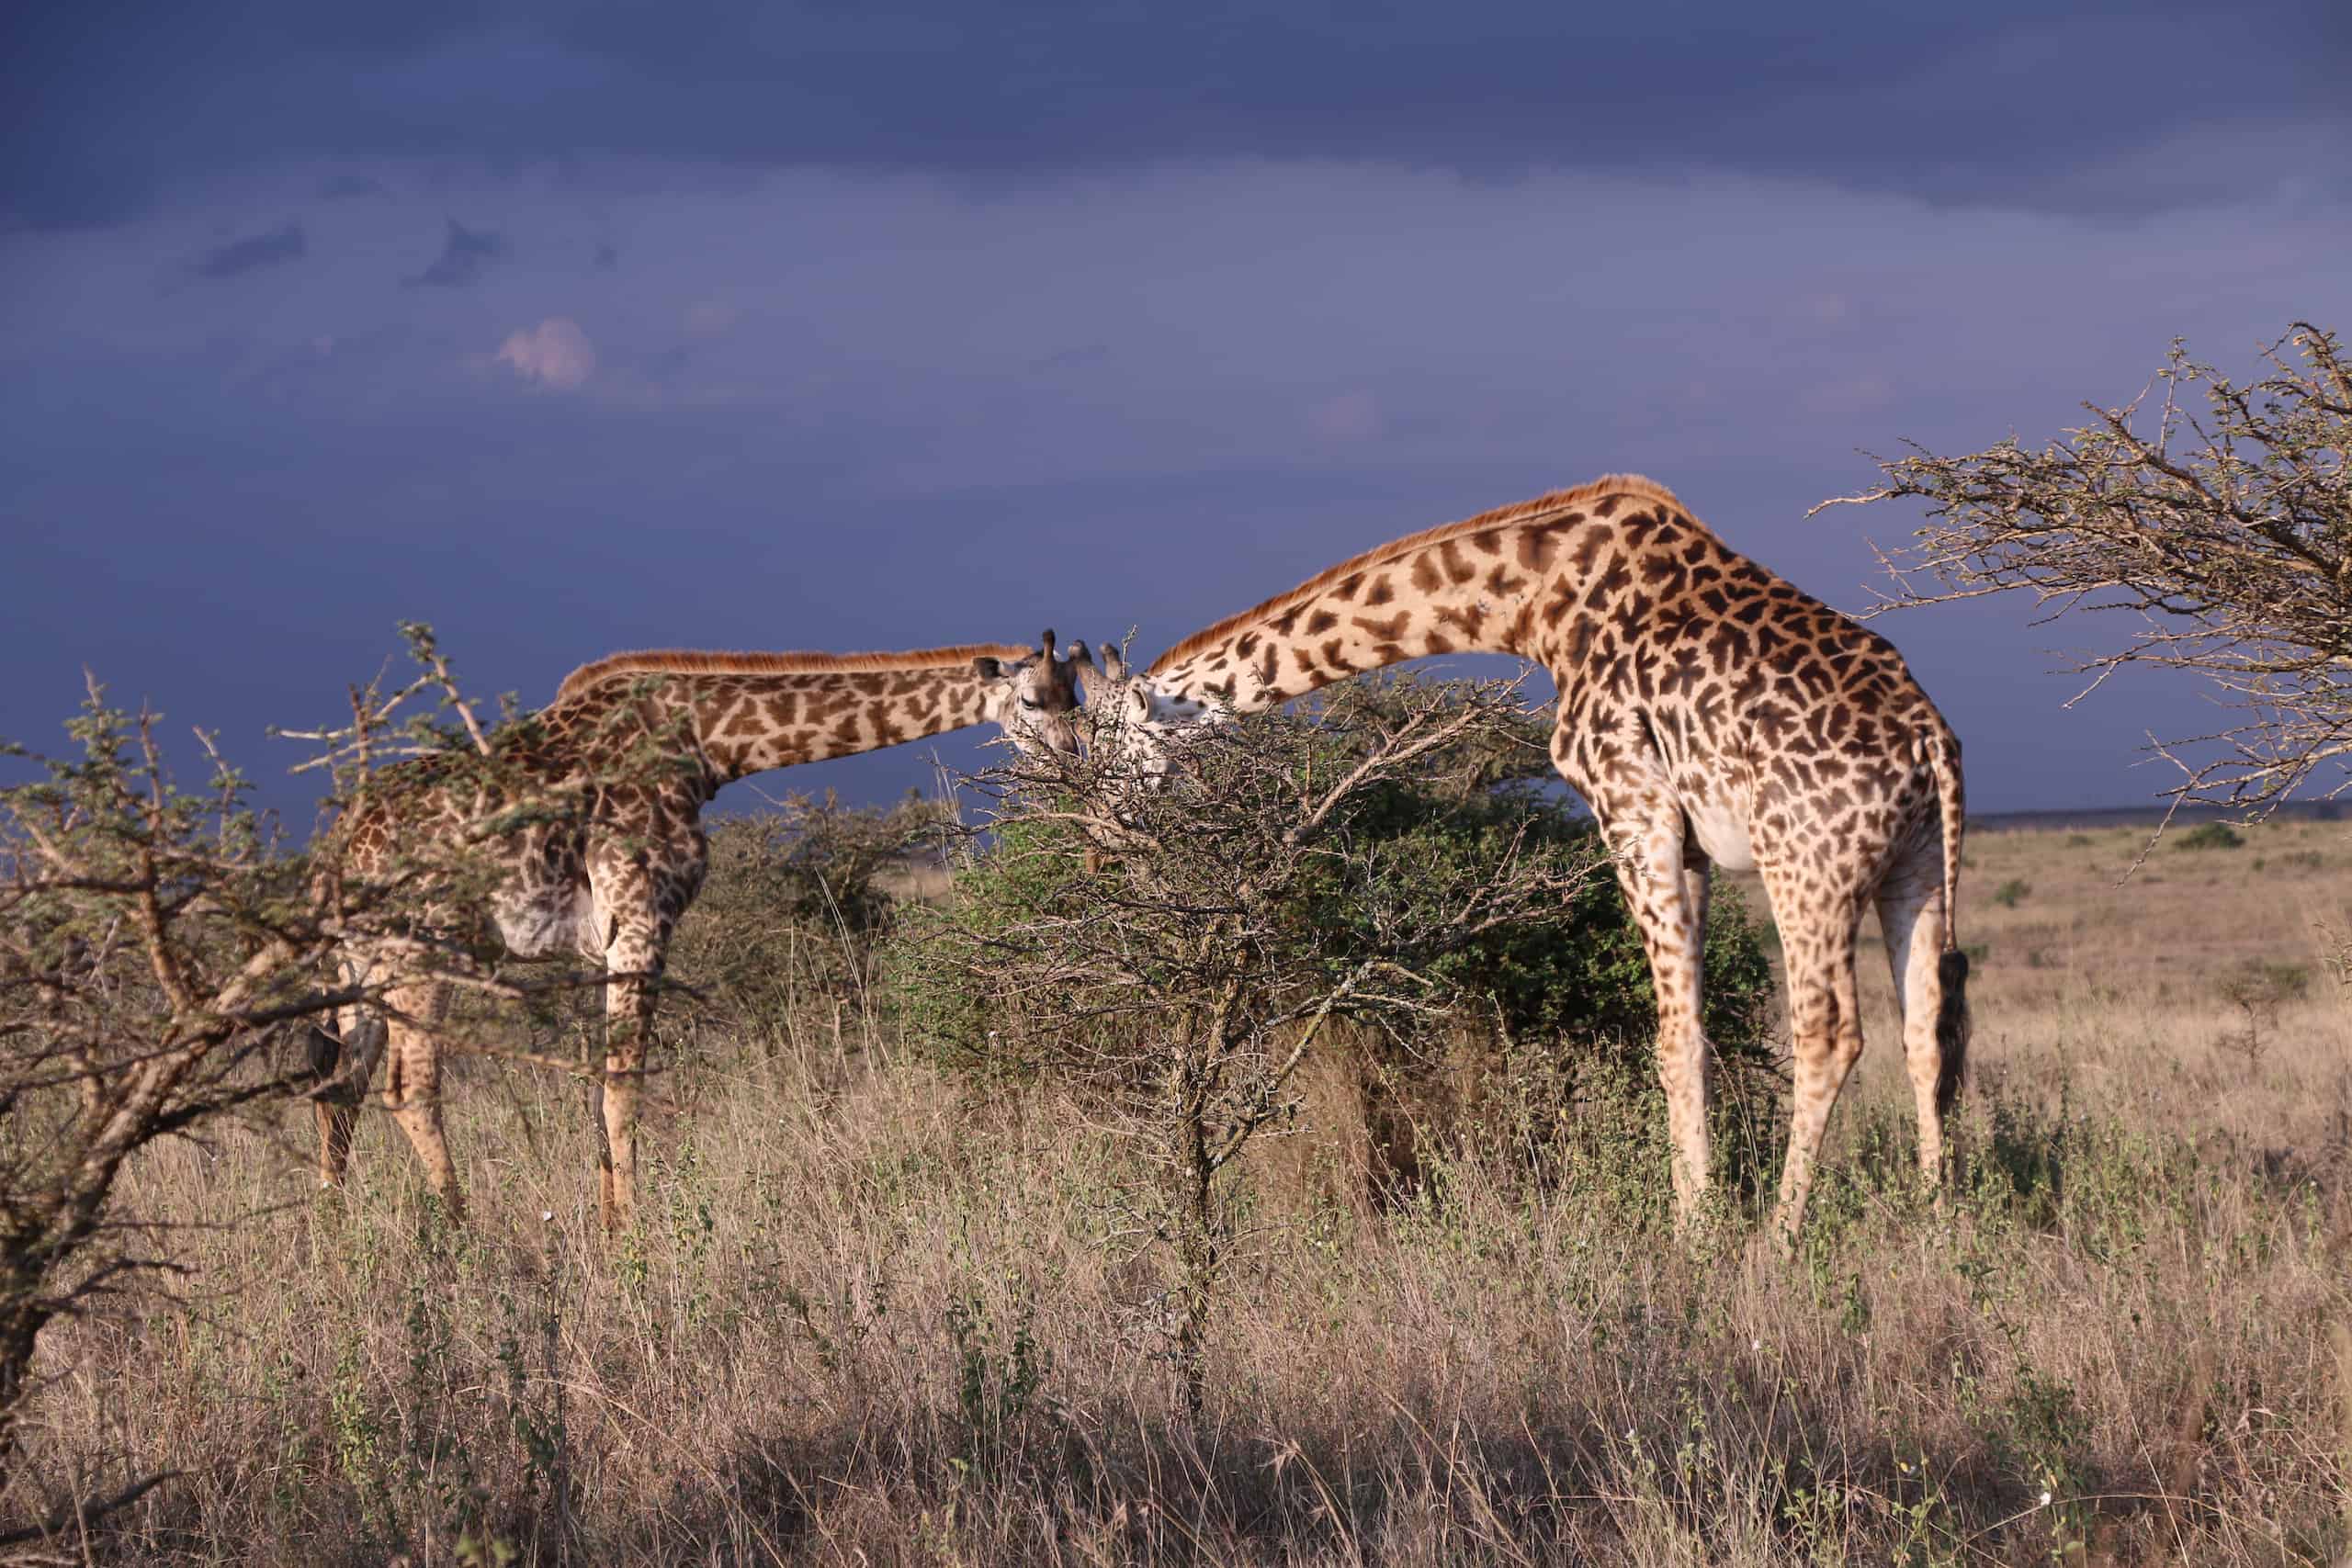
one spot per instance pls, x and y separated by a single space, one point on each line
611 883
1710 713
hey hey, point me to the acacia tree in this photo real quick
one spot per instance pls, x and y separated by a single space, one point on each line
2219 518
161 951
1177 953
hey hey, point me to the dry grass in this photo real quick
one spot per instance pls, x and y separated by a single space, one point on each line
875 1318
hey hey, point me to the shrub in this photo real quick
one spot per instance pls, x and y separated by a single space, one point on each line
2010 894
794 906
1578 980
1273 890
158 945
2212 836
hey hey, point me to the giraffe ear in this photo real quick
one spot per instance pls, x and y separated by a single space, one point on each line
1114 663
988 668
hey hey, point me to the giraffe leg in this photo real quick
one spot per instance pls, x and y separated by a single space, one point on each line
1658 887
1698 889
337 1110
413 1084
635 971
1911 916
1825 1038
639 892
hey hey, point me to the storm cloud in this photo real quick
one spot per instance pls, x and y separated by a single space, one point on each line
942 324
2111 107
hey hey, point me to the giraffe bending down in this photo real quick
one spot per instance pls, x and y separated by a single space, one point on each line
611 883
1710 713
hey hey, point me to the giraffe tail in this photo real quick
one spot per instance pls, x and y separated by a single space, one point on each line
1951 967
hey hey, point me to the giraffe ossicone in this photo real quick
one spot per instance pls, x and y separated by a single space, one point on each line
610 882
1710 713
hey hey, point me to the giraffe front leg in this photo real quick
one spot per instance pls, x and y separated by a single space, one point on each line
413 1086
630 998
343 1066
1659 889
639 892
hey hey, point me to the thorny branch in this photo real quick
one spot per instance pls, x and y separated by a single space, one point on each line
1230 915
2220 519
158 947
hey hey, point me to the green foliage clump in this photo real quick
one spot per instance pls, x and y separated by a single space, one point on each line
2010 894
1579 983
793 904
2212 836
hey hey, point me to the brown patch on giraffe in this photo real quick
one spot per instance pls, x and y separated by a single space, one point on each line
1389 630
1536 542
1469 618
1379 594
1321 622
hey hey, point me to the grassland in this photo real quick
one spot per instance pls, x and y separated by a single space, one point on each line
879 1316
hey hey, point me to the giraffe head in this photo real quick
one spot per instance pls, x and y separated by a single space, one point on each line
1032 699
1132 715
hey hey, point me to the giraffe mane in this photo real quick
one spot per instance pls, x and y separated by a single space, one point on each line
692 661
1517 511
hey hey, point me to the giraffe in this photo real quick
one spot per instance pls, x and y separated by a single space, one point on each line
1710 714
610 882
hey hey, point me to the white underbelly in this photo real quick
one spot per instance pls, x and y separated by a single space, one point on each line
1722 831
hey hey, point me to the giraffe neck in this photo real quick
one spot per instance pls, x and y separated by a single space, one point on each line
1493 589
748 723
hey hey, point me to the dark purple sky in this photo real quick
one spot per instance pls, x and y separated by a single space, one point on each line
569 329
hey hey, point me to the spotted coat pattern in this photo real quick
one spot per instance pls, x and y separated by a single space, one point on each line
639 742
1710 713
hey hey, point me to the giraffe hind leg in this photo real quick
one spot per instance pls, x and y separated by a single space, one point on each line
1825 1040
1930 991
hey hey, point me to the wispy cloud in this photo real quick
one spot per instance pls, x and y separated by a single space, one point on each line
554 354
251 254
463 255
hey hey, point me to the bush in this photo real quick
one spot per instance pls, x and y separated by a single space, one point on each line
2010 894
1547 1010
793 908
1580 980
2212 836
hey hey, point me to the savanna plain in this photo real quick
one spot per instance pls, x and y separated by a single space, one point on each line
879 1310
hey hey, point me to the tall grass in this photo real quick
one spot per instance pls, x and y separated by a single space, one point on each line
875 1315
